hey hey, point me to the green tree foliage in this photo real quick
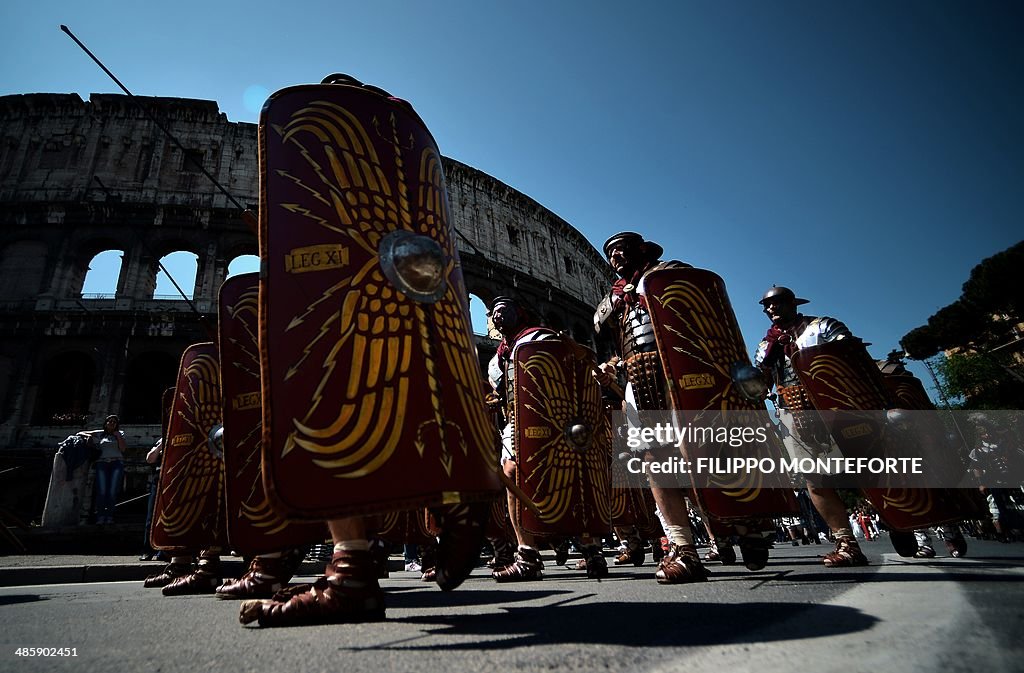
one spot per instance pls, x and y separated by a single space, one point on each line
983 317
995 285
982 381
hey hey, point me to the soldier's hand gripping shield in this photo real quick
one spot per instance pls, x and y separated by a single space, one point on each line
189 511
371 393
700 345
253 525
842 381
561 440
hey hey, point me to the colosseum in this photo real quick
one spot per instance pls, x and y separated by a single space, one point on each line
79 179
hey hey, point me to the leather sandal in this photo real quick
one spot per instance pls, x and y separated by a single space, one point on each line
681 566
171 572
957 545
597 566
722 552
203 580
527 567
265 577
349 593
633 553
561 553
502 553
846 555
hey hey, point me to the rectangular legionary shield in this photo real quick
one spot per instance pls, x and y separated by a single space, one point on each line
561 440
189 511
907 391
372 398
253 526
841 376
699 342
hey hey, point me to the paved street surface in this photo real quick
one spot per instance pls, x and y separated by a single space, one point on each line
896 615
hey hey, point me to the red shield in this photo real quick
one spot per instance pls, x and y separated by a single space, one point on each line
253 526
189 510
699 341
841 376
372 399
908 509
907 391
561 439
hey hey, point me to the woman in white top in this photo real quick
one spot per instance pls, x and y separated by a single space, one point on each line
109 466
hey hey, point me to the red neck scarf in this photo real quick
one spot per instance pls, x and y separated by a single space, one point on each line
783 338
630 296
505 350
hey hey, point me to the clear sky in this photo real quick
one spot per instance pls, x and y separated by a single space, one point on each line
866 154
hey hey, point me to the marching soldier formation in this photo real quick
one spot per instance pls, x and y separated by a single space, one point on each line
347 387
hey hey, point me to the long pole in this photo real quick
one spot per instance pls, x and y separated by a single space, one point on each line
153 119
945 400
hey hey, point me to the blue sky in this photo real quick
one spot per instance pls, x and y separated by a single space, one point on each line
866 154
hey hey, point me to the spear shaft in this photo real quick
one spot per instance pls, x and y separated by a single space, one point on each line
152 118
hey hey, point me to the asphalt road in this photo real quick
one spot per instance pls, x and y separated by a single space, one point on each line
895 615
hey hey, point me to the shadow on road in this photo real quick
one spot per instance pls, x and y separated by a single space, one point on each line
629 624
20 598
432 599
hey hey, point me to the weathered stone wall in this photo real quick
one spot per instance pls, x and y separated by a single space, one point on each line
516 231
78 178
55 146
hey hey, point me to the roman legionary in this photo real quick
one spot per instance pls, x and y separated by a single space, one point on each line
791 331
371 393
512 321
554 444
624 312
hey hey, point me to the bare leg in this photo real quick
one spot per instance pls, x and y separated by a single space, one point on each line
527 564
833 511
523 538
682 564
672 504
830 506
347 529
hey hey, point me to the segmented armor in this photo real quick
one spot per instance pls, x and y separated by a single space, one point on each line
500 374
805 434
637 331
500 369
634 335
808 331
